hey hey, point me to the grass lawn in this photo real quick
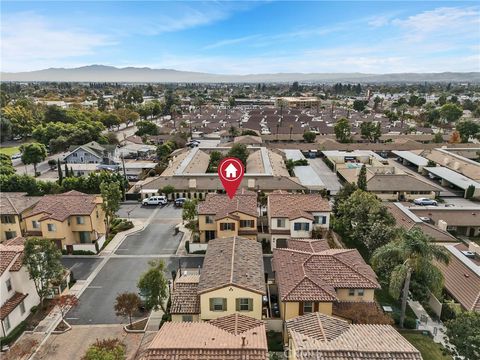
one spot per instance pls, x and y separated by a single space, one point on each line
12 150
429 349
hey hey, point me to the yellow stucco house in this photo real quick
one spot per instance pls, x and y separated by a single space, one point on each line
311 277
231 281
13 207
222 217
73 220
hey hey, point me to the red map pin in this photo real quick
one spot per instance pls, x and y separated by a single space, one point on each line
231 173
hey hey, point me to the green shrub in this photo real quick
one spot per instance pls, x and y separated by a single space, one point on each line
14 335
187 246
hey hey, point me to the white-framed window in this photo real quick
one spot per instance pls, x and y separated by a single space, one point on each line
281 223
300 226
360 292
351 292
187 318
246 223
22 308
218 304
35 224
51 227
208 219
6 323
307 307
320 219
80 220
227 226
8 284
244 304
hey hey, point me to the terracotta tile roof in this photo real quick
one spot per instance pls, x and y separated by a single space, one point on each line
14 203
60 207
6 258
221 205
461 281
285 205
11 253
308 245
314 276
234 338
11 304
233 261
318 336
185 299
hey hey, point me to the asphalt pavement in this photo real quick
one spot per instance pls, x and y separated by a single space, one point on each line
81 267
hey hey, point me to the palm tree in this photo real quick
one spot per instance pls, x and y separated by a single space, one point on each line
174 110
412 253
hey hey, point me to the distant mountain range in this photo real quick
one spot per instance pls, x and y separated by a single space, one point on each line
102 73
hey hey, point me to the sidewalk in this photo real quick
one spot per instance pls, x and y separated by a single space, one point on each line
187 234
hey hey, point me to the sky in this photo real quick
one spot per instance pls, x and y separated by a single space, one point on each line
243 37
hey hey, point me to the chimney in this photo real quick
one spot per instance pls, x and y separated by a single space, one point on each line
442 224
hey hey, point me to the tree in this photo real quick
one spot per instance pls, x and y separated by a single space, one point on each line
239 151
464 333
438 138
146 128
232 131
189 211
107 349
468 129
231 102
371 131
215 157
451 112
42 260
33 153
110 120
249 132
343 131
359 105
309 136
111 197
6 166
127 304
412 253
366 220
112 138
167 190
342 195
362 178
5 129
65 303
153 286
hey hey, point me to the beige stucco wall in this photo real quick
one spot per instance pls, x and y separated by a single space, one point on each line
231 293
10 227
343 295
289 309
178 317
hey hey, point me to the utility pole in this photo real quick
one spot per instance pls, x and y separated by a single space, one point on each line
125 177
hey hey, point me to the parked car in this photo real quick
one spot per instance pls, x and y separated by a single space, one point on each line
425 201
16 156
179 202
155 200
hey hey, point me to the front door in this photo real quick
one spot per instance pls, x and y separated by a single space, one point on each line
69 249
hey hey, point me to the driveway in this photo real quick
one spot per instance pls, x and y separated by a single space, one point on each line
328 177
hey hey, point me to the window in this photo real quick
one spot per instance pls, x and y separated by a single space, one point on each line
8 284
360 292
10 234
351 292
246 223
22 308
6 323
51 227
307 307
218 304
208 219
301 226
84 237
74 155
187 318
209 235
321 220
227 226
244 304
80 220
35 224
280 223
8 219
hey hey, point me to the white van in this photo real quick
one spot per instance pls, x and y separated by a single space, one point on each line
155 200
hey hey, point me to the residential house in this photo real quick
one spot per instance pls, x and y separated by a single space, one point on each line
460 221
295 216
231 281
73 220
17 290
310 277
13 207
319 336
91 153
221 217
232 337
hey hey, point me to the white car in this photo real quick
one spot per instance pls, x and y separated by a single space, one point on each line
425 201
16 156
155 200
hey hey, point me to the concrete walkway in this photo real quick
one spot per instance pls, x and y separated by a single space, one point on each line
187 235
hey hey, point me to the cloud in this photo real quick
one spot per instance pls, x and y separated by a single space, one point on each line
28 38
233 41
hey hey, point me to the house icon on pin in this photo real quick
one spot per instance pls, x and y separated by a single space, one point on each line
231 171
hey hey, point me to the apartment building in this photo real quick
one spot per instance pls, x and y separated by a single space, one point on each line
296 216
222 217
13 207
73 220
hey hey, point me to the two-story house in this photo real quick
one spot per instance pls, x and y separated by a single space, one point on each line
13 207
295 216
221 217
313 278
17 290
91 153
231 281
73 220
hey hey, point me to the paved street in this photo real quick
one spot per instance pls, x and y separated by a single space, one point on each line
328 177
81 267
135 210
